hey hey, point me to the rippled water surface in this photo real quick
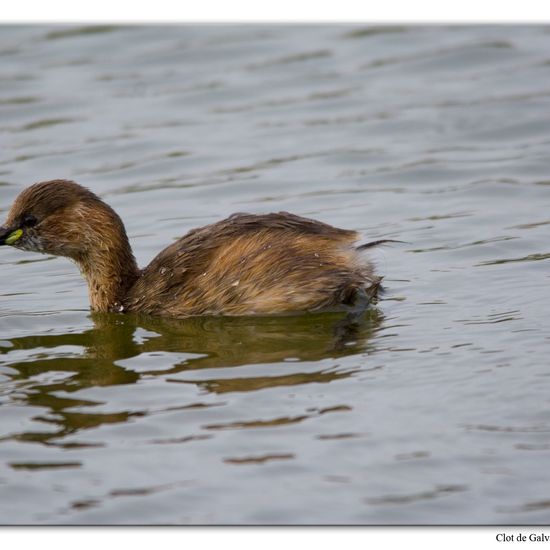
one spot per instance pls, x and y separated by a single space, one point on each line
434 409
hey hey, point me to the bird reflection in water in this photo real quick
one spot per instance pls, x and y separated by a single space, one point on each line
215 342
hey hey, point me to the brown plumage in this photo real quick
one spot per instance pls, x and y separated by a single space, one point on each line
244 265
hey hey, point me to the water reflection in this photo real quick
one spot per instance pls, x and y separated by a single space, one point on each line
105 356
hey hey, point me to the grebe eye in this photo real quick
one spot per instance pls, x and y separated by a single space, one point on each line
29 221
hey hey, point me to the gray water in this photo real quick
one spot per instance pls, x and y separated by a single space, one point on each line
434 410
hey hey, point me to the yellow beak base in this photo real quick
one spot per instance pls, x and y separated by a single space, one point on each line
14 236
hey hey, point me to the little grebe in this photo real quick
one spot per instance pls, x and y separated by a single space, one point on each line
246 264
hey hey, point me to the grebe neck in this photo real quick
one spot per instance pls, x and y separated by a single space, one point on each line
110 274
106 261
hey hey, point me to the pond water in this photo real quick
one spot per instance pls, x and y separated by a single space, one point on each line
435 409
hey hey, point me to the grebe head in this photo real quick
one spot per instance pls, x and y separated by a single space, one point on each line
62 218
57 217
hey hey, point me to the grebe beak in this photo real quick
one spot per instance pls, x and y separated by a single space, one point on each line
9 235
